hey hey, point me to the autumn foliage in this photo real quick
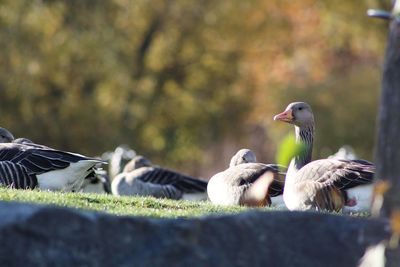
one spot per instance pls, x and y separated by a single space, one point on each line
187 83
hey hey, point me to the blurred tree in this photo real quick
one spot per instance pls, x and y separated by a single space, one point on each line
386 201
187 83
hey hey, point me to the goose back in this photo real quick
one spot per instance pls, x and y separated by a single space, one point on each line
38 159
343 174
127 184
162 176
140 177
54 169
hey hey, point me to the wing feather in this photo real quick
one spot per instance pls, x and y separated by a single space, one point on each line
163 176
250 172
38 159
16 176
346 174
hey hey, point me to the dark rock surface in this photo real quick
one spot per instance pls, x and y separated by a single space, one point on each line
32 235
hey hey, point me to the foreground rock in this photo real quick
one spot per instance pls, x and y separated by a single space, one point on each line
34 235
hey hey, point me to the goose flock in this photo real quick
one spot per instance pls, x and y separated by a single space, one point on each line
339 183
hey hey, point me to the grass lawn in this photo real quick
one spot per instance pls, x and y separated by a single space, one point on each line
139 206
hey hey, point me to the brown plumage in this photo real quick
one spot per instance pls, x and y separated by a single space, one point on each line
246 182
320 184
257 193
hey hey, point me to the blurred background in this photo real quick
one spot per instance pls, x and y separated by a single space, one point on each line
188 83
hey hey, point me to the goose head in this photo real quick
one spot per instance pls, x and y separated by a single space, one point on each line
136 163
297 113
5 136
243 156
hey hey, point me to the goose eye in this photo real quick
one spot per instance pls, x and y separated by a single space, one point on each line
300 108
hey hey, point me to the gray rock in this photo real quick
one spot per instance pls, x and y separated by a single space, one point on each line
33 235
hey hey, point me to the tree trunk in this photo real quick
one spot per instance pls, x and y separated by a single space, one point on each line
387 156
388 143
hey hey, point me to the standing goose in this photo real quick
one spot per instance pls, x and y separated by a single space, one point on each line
321 184
142 178
246 182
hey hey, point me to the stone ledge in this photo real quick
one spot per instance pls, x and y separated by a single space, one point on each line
35 235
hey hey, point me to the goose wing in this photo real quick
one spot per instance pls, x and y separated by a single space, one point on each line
325 181
16 176
345 174
162 176
278 183
38 160
249 173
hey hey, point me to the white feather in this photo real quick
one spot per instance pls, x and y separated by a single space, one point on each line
374 256
195 196
67 179
278 202
363 195
219 193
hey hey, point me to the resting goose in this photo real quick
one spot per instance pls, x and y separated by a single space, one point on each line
142 178
321 184
5 136
24 166
246 182
118 159
244 155
247 156
345 152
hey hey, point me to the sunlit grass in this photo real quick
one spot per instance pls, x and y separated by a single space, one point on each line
138 206
132 205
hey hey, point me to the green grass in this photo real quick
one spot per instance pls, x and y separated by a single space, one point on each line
138 206
132 205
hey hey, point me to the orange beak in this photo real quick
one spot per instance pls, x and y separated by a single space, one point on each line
285 116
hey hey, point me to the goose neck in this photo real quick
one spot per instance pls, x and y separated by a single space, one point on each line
305 139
